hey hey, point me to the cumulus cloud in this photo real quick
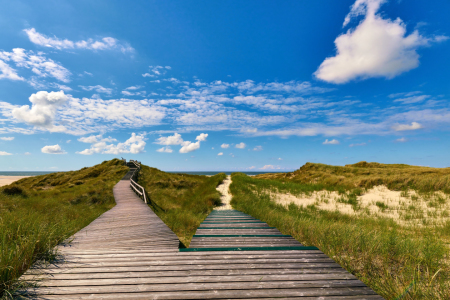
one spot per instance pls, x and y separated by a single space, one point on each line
377 47
176 139
241 145
36 62
258 148
332 142
188 146
170 140
224 146
95 139
403 127
5 138
43 110
4 153
202 137
135 144
55 149
165 149
220 154
106 43
27 153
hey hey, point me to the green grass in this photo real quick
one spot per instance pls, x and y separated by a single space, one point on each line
182 201
391 259
397 177
39 212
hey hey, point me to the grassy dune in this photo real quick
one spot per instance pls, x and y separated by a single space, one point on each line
367 175
37 213
410 262
181 201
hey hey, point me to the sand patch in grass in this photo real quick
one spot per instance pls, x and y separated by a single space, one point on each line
405 207
5 180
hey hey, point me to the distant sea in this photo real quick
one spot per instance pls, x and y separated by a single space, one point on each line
217 172
23 173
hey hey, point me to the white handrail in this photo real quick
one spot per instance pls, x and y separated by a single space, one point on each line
133 184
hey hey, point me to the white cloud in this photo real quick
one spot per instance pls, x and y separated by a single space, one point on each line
258 148
106 43
188 146
170 140
98 89
332 142
377 47
270 167
241 145
224 146
96 139
156 71
403 127
356 145
4 153
7 138
43 110
401 140
135 144
279 158
251 168
202 137
55 149
165 149
8 72
68 141
27 153
134 87
220 153
36 62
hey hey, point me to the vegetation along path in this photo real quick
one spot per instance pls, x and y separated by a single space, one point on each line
128 253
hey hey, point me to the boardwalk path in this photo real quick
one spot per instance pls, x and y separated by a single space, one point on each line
128 253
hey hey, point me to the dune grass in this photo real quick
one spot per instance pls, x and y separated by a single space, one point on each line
367 175
398 262
182 201
37 213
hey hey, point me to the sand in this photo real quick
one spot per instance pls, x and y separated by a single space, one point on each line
410 208
226 196
5 180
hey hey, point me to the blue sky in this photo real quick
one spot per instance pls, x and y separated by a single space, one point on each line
223 85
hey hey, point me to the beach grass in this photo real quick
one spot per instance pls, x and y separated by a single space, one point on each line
398 177
398 262
37 213
182 201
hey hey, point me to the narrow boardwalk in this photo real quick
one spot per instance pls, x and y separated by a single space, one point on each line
128 253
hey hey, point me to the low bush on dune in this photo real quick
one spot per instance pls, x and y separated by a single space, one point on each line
37 213
182 201
398 262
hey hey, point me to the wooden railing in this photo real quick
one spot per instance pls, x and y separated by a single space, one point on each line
138 189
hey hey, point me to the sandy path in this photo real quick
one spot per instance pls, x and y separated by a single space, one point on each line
5 180
226 196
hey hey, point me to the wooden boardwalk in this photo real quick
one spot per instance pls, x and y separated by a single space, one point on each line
128 253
